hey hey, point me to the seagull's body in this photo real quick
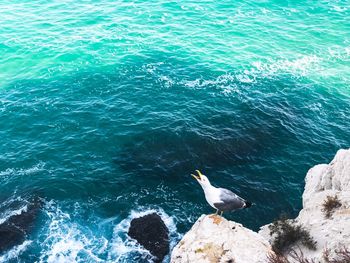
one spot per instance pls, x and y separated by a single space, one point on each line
220 199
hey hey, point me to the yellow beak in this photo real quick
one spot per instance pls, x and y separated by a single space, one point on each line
197 177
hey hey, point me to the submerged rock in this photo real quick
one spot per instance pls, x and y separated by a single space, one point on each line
16 227
151 232
213 239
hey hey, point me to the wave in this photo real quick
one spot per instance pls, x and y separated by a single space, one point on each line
15 252
5 216
299 66
303 65
23 171
67 240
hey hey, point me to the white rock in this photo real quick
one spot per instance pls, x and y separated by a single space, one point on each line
321 181
334 176
214 239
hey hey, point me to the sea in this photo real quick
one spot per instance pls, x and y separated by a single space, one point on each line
107 107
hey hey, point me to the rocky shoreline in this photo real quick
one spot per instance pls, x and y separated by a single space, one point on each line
319 234
325 217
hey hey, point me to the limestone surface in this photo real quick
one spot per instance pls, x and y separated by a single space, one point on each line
321 181
213 239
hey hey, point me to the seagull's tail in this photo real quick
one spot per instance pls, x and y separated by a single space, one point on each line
247 204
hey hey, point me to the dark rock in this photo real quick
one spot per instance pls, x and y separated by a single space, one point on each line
151 232
16 228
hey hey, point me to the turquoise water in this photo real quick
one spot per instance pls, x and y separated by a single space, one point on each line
106 107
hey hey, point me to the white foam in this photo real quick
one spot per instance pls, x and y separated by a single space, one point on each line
166 81
302 65
298 66
338 52
15 252
122 247
199 83
227 82
67 241
23 171
152 67
9 214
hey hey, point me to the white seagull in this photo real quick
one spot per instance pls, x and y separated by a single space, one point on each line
221 199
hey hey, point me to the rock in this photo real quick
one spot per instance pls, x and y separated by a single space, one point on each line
213 239
321 181
16 227
330 178
151 232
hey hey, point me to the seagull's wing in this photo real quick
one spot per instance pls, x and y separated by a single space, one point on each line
229 201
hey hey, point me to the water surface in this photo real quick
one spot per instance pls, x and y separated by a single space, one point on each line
106 107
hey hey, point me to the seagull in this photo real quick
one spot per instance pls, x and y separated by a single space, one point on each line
221 199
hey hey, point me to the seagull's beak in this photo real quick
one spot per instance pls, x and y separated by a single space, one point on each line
197 177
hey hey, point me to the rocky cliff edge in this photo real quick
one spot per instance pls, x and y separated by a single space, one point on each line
215 239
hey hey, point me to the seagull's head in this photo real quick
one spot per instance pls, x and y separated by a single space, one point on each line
201 179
